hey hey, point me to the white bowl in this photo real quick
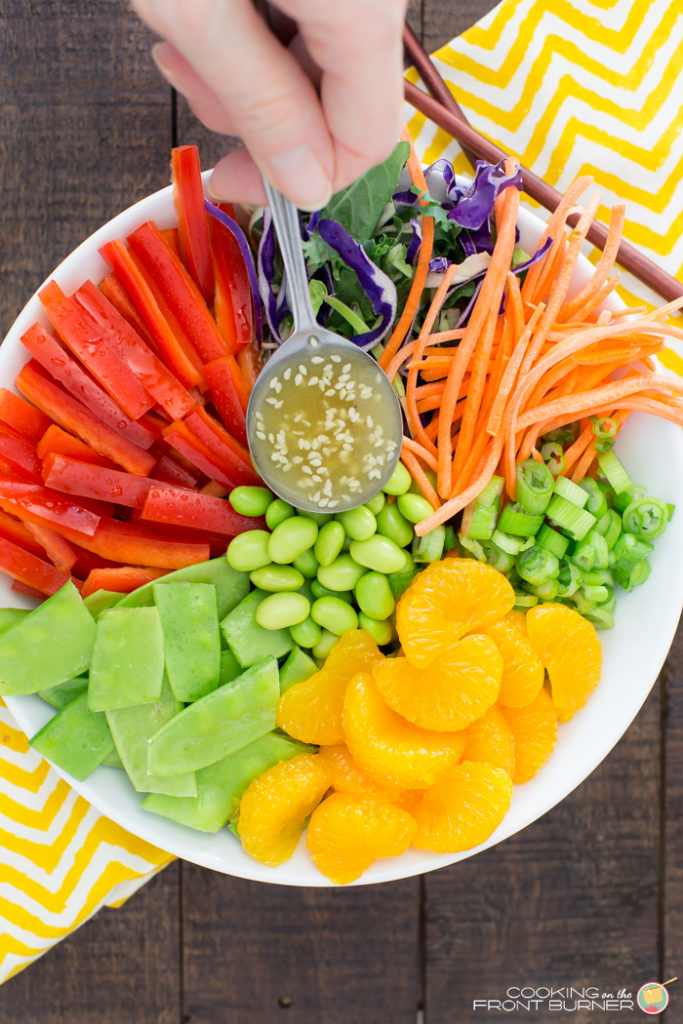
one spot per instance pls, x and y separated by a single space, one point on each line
634 650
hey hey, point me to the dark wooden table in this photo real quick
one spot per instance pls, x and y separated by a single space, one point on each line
591 895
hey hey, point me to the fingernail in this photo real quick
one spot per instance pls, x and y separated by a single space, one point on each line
300 175
157 52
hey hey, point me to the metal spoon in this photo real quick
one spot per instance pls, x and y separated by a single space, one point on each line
313 347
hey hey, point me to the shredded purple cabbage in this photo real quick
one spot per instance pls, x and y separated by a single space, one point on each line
378 287
241 239
415 241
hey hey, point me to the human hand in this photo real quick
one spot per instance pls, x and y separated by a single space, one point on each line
240 80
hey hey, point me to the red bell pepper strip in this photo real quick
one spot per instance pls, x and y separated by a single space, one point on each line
22 588
130 544
58 442
121 580
81 334
69 476
46 350
231 454
190 447
131 275
249 361
193 227
214 489
19 453
116 294
33 503
220 377
30 571
171 472
170 394
180 507
12 529
58 550
172 238
70 414
179 290
233 291
24 418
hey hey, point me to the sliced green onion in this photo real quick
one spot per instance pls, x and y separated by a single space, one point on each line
501 560
527 543
627 552
591 552
507 542
567 489
564 435
569 518
598 595
611 468
450 540
547 591
536 565
581 603
534 486
429 548
670 509
569 579
637 575
473 546
607 490
553 541
515 519
552 454
623 500
597 502
480 516
609 526
524 601
646 517
600 616
599 578
605 430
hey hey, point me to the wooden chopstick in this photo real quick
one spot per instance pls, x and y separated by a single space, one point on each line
442 109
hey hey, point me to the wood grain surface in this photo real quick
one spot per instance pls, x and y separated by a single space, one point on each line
591 895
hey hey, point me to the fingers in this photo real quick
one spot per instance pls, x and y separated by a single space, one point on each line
262 92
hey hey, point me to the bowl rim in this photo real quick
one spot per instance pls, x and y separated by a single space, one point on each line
31 712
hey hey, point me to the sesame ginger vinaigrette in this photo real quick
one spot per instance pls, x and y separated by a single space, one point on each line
323 434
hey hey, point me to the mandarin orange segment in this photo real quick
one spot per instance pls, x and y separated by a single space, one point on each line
348 777
447 600
523 672
490 740
463 808
448 695
570 650
311 711
274 807
349 831
534 728
390 749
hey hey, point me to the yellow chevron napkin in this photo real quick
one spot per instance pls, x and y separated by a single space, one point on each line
571 88
581 87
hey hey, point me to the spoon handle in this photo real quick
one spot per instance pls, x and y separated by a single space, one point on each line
288 231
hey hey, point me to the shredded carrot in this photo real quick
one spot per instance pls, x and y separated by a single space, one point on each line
419 476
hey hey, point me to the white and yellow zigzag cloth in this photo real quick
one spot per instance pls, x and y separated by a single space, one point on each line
570 88
60 860
582 87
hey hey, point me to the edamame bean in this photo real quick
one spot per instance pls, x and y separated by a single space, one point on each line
342 574
323 647
277 512
280 610
318 590
250 501
318 517
291 538
307 633
307 564
329 543
249 550
399 481
333 614
413 507
376 504
277 577
378 553
359 523
381 630
373 595
391 524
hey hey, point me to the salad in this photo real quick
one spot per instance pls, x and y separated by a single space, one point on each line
239 658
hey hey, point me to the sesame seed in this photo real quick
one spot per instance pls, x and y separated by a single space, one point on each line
261 436
316 360
270 400
288 373
336 358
